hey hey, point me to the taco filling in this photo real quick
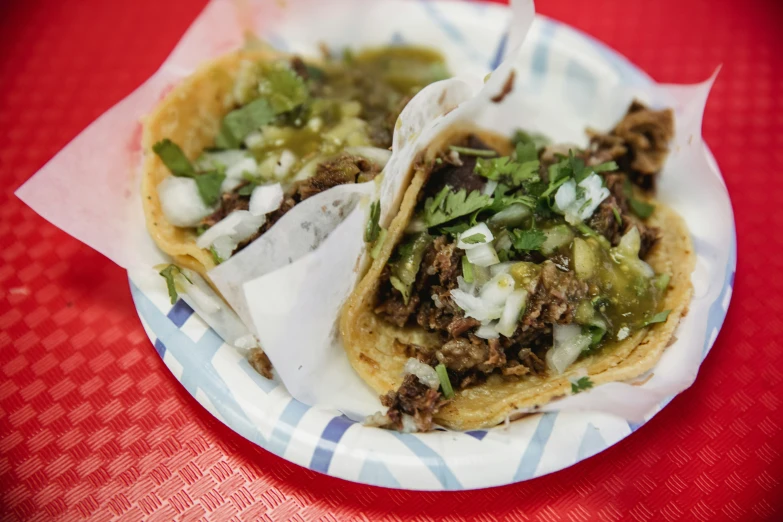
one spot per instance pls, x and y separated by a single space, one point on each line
520 265
293 130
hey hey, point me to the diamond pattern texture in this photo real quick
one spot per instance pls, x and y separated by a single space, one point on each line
93 426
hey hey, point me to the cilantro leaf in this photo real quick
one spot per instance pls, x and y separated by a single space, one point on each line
538 140
607 166
526 152
507 169
640 208
467 270
283 88
175 160
660 317
526 240
455 229
578 170
467 151
240 122
209 187
215 256
168 274
448 205
373 227
501 199
582 384
617 216
247 189
474 239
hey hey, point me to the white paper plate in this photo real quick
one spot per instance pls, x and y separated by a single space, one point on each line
325 441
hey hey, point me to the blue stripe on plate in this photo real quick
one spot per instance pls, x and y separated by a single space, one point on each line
540 59
430 458
197 369
333 432
179 313
375 472
449 29
160 348
477 434
535 448
285 426
592 443
581 86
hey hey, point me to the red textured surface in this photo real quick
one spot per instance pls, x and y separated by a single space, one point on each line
92 425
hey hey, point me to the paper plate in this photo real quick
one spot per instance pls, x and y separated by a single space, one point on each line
263 412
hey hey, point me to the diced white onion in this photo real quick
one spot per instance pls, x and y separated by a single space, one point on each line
475 307
623 333
265 199
501 268
254 140
416 225
569 341
375 154
308 170
489 187
483 255
481 229
454 158
497 290
424 372
409 424
487 331
181 202
514 306
248 165
437 301
222 158
577 209
284 164
627 251
230 185
226 234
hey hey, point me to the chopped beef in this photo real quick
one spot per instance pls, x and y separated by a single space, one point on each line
650 236
460 325
461 354
300 68
458 175
639 143
507 86
554 300
229 202
412 398
340 170
604 220
260 362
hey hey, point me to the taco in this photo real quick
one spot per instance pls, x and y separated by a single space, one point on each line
516 272
245 138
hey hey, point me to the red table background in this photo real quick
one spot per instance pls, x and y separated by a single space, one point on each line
92 424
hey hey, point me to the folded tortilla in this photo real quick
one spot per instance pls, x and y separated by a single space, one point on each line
189 115
375 347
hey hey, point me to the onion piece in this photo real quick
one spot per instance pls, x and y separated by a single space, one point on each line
375 154
181 202
569 343
514 305
284 164
489 187
424 372
501 268
487 331
265 199
481 229
497 290
483 255
475 307
226 234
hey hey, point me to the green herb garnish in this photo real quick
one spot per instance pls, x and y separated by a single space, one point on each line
241 122
373 227
445 383
168 274
209 187
467 270
474 239
376 248
175 160
581 384
662 282
283 89
247 190
660 317
617 216
448 205
526 240
215 256
641 208
467 151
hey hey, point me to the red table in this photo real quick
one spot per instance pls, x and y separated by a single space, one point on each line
92 425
